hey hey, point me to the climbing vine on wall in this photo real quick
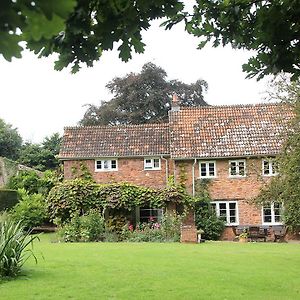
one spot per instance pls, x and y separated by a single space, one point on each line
79 196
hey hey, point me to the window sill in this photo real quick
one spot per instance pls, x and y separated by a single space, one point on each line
101 171
211 177
237 176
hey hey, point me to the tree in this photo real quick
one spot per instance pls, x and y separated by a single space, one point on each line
285 188
41 157
80 31
10 141
143 98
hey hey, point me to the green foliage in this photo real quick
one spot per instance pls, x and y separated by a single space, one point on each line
8 199
36 22
144 97
205 216
31 210
28 180
10 140
168 230
80 32
89 227
270 28
35 183
79 196
14 249
285 188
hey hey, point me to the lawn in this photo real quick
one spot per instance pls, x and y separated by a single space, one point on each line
213 270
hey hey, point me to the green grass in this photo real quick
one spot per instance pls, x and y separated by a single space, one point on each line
213 270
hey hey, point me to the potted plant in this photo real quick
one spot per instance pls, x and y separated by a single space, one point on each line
243 237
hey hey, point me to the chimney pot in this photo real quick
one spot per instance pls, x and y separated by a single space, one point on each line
175 104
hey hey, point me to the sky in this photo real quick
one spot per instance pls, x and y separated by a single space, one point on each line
39 101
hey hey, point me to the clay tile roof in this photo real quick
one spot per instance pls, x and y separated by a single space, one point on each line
121 141
228 131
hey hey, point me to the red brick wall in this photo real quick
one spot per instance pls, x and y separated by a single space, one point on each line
225 188
129 170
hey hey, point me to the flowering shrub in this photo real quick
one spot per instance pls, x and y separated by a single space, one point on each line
168 230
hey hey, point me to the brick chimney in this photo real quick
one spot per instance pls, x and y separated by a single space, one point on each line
175 104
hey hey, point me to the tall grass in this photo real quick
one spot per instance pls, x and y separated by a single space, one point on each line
13 246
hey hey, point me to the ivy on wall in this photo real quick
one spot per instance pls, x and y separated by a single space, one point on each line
80 195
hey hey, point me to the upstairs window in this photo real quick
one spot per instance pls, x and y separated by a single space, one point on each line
106 165
269 167
237 168
227 211
207 169
272 214
152 164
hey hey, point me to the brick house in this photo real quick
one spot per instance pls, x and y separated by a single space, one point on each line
230 146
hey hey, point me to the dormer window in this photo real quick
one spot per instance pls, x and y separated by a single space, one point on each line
102 165
152 163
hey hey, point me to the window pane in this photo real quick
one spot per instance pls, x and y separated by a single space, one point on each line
113 164
156 162
241 168
203 169
211 169
105 164
148 164
98 164
232 168
274 167
267 212
266 167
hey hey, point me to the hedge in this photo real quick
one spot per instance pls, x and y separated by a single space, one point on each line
8 199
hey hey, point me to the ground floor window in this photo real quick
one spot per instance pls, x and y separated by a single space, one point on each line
272 214
227 211
149 214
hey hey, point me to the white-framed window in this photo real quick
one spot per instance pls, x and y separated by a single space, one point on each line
272 214
207 169
269 167
107 164
237 168
149 214
227 211
152 163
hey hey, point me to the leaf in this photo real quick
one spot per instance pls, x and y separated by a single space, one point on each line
125 51
39 26
9 46
57 7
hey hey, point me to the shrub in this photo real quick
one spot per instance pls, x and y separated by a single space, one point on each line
207 220
28 180
8 199
13 247
31 209
168 230
87 228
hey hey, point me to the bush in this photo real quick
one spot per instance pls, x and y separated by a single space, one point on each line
31 209
87 228
168 230
13 247
28 180
8 199
207 220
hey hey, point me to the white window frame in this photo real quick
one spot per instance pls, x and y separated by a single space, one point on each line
150 166
109 169
160 214
207 162
228 223
237 161
273 222
270 161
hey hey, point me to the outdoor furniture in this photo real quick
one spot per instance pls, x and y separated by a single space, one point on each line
257 233
279 232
